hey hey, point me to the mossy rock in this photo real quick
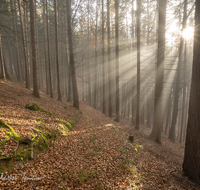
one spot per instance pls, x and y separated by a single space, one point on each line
33 106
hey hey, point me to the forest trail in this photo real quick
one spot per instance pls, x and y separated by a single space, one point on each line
96 154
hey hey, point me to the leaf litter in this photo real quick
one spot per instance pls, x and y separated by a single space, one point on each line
96 154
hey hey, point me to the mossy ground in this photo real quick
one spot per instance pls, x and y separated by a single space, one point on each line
38 108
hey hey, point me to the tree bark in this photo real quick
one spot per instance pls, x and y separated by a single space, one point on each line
158 112
89 73
95 80
117 57
191 165
138 64
133 68
34 61
45 48
49 59
13 7
109 60
103 62
184 74
57 58
2 61
72 65
24 48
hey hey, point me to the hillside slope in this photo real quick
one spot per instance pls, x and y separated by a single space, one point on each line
96 154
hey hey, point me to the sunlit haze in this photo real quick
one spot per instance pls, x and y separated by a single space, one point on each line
188 33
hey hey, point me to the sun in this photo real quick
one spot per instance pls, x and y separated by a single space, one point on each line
188 33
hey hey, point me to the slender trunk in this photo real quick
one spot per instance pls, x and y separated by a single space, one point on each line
57 58
133 68
168 118
26 40
109 59
12 60
158 112
89 73
117 56
95 82
45 49
34 61
72 64
184 74
49 59
138 64
148 22
2 61
24 47
13 7
103 61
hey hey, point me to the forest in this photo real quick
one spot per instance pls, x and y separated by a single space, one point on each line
99 94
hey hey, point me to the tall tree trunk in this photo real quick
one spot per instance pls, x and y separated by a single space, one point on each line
158 112
148 26
26 40
57 58
45 48
109 59
133 70
191 165
24 47
13 7
117 56
95 82
89 73
34 61
177 88
12 60
103 62
184 93
138 64
168 118
69 97
49 59
72 65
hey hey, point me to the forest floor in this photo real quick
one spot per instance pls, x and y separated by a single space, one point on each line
95 154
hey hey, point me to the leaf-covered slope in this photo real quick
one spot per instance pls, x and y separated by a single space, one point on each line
93 155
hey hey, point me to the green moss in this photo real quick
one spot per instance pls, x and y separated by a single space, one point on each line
40 122
65 107
68 124
64 129
29 155
9 165
6 158
4 141
20 154
39 148
43 140
43 143
1 169
33 137
38 108
80 111
14 135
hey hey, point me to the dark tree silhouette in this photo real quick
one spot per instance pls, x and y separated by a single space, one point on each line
191 165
